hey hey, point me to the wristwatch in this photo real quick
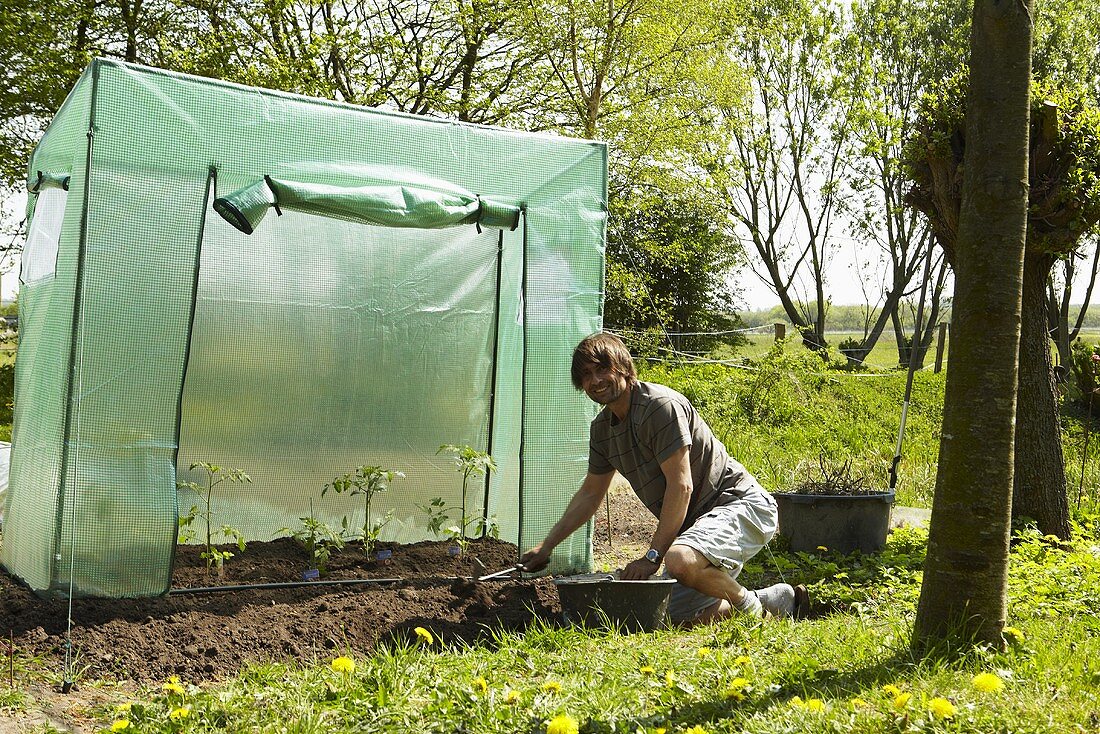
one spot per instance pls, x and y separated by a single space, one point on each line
653 555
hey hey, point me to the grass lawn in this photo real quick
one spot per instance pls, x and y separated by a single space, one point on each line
849 670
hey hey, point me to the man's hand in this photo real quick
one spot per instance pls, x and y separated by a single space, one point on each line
535 559
639 570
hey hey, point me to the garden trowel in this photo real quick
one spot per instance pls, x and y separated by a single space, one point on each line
505 572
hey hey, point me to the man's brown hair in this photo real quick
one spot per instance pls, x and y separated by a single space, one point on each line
602 350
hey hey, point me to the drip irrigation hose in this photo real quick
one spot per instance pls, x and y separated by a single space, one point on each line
915 346
196 590
280 585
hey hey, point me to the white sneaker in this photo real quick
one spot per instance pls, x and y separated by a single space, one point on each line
784 601
777 600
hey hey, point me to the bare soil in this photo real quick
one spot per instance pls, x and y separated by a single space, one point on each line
210 635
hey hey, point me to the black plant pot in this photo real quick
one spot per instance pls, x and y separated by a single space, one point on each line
841 523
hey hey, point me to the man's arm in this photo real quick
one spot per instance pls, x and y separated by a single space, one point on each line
678 488
582 507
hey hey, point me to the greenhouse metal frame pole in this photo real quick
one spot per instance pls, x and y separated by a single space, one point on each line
493 380
78 285
523 380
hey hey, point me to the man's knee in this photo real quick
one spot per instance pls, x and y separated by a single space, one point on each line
682 562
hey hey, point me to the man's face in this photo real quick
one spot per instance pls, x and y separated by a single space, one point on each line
602 385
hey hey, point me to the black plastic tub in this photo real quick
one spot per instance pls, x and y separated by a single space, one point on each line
841 523
603 601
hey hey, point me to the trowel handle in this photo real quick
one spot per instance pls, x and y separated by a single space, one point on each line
505 572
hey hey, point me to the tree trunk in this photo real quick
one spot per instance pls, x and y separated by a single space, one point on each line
1039 483
963 594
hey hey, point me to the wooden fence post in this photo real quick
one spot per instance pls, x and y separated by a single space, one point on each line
780 331
941 342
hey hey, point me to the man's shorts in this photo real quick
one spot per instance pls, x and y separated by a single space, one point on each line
727 536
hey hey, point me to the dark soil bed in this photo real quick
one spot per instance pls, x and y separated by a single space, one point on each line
211 635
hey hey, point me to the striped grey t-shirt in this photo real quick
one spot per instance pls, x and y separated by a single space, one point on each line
660 422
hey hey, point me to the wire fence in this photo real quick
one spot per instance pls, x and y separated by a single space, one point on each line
863 367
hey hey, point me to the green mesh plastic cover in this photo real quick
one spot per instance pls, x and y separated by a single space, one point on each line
165 335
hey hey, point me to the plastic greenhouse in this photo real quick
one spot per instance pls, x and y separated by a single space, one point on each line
291 287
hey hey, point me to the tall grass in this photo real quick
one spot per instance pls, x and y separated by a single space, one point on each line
785 413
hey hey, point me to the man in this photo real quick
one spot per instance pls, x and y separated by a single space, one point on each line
712 514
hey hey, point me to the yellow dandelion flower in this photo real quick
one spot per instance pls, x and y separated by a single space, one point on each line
987 683
647 670
173 688
670 679
179 714
480 685
124 708
424 635
563 724
742 660
660 730
822 548
551 686
702 652
797 702
891 689
857 703
736 689
120 725
1015 634
696 730
815 704
941 708
511 697
173 679
902 700
343 665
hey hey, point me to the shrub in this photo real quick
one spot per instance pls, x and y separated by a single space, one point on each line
1085 364
7 392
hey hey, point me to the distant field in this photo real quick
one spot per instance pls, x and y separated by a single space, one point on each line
883 356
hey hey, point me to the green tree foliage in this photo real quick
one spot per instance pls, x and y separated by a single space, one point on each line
45 47
624 71
460 59
668 266
1067 45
